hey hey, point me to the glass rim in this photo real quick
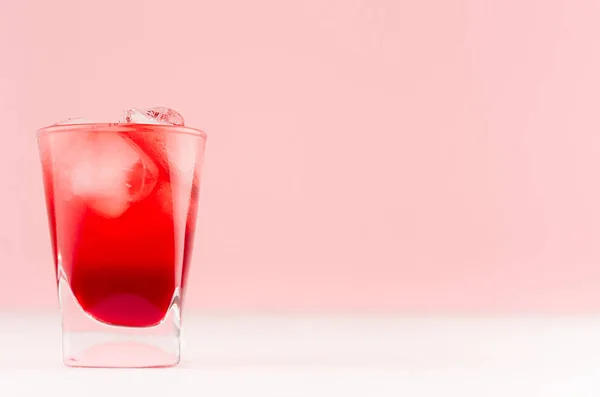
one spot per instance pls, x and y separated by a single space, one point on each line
119 127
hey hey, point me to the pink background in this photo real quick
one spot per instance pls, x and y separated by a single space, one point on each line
362 154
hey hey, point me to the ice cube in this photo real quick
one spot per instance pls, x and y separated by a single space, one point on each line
154 143
158 115
174 154
109 173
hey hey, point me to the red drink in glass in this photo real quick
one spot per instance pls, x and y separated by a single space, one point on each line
122 201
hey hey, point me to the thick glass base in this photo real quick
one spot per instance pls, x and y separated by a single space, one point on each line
88 342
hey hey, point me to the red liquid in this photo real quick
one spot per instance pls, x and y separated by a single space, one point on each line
124 266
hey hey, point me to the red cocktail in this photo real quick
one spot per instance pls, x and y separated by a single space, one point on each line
121 202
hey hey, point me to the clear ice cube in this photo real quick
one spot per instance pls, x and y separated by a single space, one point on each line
157 115
109 172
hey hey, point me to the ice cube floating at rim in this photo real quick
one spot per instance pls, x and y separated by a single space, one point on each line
158 115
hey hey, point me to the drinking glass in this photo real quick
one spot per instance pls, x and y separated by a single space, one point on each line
122 202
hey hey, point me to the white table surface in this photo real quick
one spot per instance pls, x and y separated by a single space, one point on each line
259 355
